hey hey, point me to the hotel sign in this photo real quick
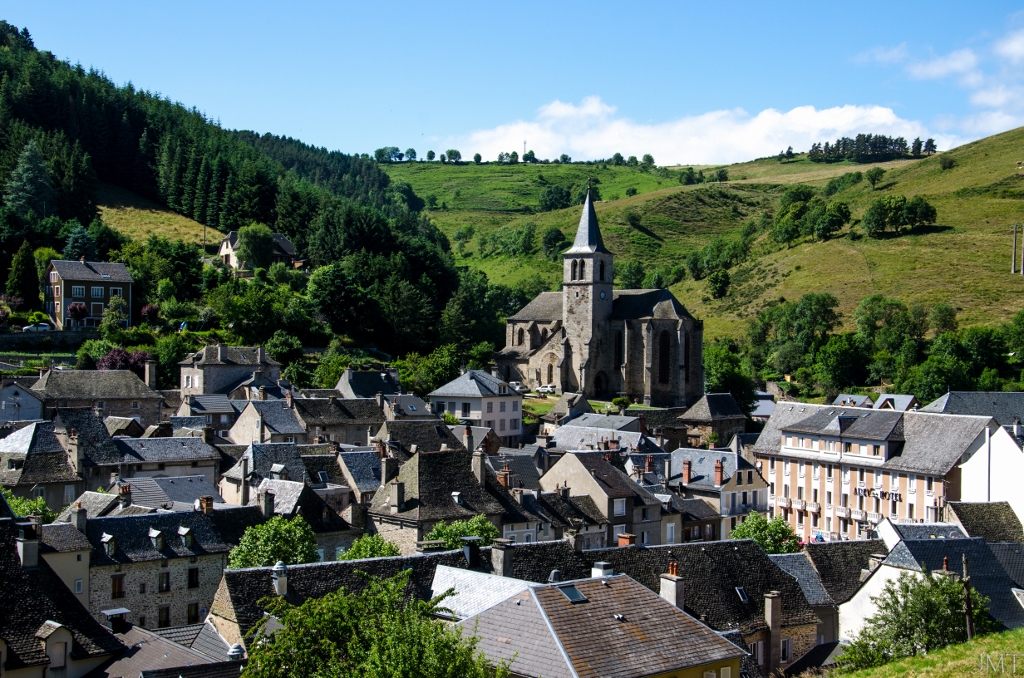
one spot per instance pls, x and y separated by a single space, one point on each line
881 494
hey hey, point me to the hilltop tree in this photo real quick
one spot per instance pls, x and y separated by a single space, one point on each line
430 156
648 160
22 279
874 175
773 536
477 158
930 147
453 155
617 160
564 159
915 148
255 245
29 187
379 632
279 539
410 154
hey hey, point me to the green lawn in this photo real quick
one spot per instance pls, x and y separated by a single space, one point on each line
960 660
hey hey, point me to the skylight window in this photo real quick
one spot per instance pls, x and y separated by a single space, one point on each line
742 594
572 593
323 476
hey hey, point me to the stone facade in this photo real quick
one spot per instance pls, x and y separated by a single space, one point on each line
592 339
145 604
215 369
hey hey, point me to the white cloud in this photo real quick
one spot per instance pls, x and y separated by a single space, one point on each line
960 62
1011 47
592 130
884 55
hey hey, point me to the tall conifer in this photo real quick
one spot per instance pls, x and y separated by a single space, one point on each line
29 188
23 281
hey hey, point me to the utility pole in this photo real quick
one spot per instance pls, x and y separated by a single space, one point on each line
968 609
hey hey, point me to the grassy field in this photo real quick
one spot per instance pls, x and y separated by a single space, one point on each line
138 218
963 260
960 660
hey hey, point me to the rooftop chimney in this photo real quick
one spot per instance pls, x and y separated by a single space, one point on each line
773 618
206 504
78 517
719 472
471 551
478 467
554 577
396 496
945 563
501 557
602 569
649 463
626 539
125 494
263 393
149 370
280 577
245 481
504 476
208 435
667 471
288 399
267 504
687 468
221 353
380 400
28 544
563 492
672 586
236 653
467 437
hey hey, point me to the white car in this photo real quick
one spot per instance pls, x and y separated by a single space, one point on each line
546 388
518 387
38 327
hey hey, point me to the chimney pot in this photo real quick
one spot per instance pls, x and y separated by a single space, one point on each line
602 569
280 577
687 468
672 588
626 539
719 472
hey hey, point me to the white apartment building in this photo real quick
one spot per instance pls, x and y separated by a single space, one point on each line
835 472
481 399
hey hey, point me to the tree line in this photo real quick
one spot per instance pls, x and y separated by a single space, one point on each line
868 148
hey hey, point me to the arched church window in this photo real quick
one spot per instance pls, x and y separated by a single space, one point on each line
575 267
583 270
544 336
664 357
601 275
520 338
551 374
618 349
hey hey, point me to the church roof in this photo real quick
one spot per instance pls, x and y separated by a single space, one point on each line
588 235
626 305
545 307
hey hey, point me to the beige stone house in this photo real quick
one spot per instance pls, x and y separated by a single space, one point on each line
712 421
33 464
118 393
90 284
220 369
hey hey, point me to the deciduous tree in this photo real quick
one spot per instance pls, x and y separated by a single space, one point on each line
452 533
370 546
874 175
255 245
773 536
279 539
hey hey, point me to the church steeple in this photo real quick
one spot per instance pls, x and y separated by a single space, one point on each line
588 234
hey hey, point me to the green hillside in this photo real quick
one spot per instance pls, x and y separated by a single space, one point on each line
996 653
138 217
963 260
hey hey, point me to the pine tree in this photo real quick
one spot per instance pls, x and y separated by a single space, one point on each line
29 189
23 281
227 204
188 184
201 192
214 193
142 175
124 158
80 245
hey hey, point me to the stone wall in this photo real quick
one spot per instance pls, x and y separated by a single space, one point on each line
148 604
400 533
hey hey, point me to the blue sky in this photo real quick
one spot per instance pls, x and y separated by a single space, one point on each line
688 82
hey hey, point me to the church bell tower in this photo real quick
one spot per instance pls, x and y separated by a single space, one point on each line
587 301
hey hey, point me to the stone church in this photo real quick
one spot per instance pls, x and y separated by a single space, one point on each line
604 343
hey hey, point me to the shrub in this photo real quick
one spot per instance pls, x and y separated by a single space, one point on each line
946 162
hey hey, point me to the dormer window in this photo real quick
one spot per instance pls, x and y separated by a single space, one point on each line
109 544
187 536
742 593
157 539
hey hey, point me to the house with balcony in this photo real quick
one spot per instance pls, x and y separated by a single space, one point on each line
480 399
835 472
87 285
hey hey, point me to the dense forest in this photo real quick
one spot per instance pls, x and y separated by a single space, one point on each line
384 275
870 148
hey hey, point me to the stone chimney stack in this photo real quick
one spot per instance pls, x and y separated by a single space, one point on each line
244 490
719 473
267 504
208 435
28 544
263 393
125 494
150 373
206 504
78 517
388 469
396 496
288 399
687 468
222 355
478 468
380 400
672 586
467 437
280 577
501 557
668 471
773 618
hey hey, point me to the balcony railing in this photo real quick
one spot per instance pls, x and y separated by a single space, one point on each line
799 504
743 509
782 502
874 517
858 514
813 507
843 511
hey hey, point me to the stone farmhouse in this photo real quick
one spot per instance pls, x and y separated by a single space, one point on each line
284 251
89 284
118 393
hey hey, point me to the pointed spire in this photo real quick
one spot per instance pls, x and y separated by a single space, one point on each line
588 235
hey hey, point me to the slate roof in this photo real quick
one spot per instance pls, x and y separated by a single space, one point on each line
702 465
928 531
695 509
1011 556
196 423
657 418
839 564
993 521
31 597
123 426
147 650
474 591
426 435
800 567
42 458
609 421
210 643
319 393
431 477
293 498
62 538
96 504
545 307
282 246
575 512
338 412
367 383
364 468
1004 407
620 628
472 384
588 233
71 270
613 482
94 385
713 407
262 456
851 423
849 400
216 403
134 544
225 669
987 574
643 304
166 450
895 401
177 493
278 417
566 402
524 471
326 463
93 437
570 437
232 355
408 405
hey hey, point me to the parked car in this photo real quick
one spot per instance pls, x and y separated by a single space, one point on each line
546 388
38 327
518 387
